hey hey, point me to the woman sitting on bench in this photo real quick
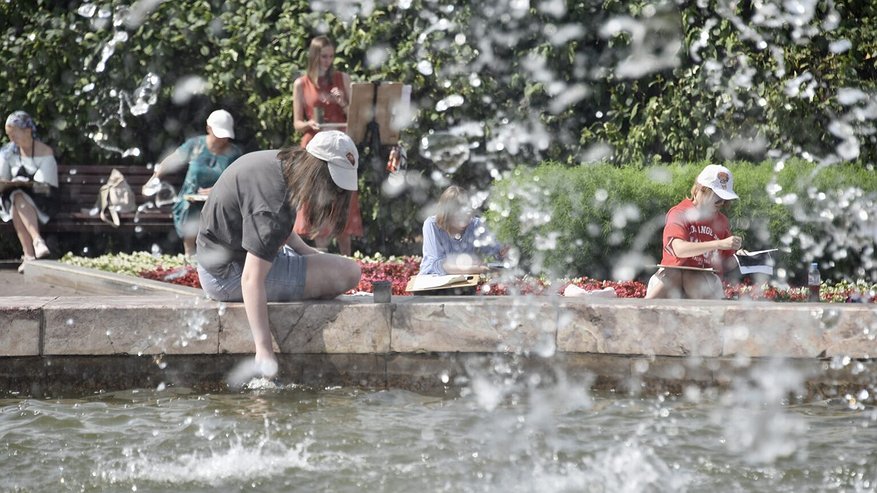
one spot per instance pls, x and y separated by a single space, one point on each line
30 176
205 158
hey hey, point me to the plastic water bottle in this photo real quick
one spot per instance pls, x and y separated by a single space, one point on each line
813 281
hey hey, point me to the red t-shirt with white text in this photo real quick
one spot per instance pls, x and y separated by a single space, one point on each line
682 223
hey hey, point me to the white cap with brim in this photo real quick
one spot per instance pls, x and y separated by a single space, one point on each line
339 152
221 124
718 179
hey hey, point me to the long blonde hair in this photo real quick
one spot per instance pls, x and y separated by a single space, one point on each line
453 203
316 48
311 185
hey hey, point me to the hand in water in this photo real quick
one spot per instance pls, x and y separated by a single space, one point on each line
251 368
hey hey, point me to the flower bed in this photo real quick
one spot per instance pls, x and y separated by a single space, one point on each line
397 270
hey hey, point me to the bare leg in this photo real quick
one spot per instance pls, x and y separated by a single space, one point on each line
30 225
329 276
189 246
23 236
702 286
666 283
344 244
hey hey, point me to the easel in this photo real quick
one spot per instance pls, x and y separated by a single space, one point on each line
373 124
370 117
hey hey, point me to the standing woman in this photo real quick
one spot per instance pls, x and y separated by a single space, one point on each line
27 160
247 250
321 96
205 158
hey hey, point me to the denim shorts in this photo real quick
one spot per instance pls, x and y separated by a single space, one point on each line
285 281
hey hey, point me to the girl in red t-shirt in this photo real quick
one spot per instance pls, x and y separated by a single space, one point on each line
697 240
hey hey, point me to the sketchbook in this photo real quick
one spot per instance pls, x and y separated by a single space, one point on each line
429 282
195 197
11 184
685 267
758 262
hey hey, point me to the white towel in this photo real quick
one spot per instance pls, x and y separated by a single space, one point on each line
573 290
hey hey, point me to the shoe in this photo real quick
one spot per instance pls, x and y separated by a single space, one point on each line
24 260
40 248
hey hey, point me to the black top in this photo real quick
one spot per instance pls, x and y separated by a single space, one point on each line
247 210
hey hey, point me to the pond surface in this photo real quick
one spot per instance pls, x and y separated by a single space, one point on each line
344 439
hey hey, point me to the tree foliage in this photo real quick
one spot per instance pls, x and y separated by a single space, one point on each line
515 82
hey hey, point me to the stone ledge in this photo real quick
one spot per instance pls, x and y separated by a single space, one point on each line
354 325
20 325
417 340
93 281
437 373
130 325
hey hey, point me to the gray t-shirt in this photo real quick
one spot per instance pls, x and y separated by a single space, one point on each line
247 211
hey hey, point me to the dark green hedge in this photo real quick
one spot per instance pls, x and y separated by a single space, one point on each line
606 221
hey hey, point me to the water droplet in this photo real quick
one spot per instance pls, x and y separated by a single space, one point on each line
424 67
87 10
447 151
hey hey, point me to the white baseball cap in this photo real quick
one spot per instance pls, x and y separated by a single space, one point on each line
718 179
339 152
222 124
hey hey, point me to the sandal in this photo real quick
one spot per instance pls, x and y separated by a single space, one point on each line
40 248
24 260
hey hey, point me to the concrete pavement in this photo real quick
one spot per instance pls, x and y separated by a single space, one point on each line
14 284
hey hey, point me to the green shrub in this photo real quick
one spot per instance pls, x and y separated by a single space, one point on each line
606 222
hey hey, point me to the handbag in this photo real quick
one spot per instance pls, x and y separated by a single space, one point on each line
115 196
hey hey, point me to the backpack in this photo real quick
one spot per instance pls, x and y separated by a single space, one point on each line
115 196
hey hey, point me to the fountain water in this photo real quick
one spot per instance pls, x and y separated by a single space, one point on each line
511 429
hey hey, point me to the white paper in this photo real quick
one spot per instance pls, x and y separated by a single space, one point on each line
756 269
436 281
763 268
747 253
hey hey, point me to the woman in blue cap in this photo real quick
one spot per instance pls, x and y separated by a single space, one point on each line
30 176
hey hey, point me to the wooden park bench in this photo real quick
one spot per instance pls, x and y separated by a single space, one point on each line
78 188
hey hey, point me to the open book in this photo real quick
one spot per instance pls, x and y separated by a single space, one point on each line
685 267
429 282
195 197
758 262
